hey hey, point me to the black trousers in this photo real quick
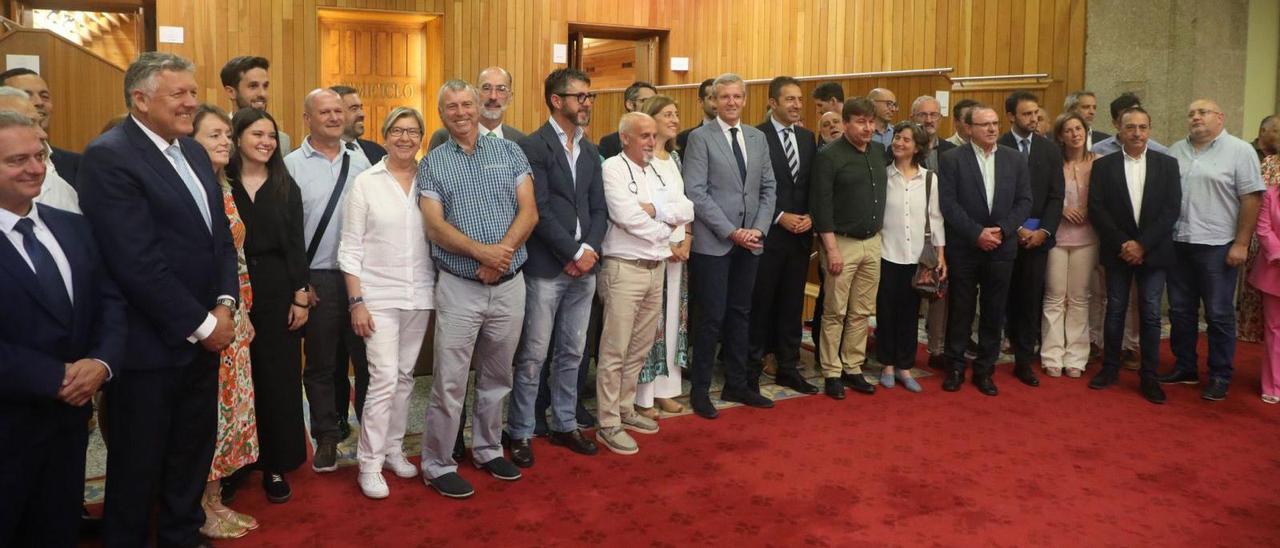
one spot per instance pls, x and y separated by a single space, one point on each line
163 426
897 316
42 480
777 301
1026 304
328 326
722 286
968 277
342 385
277 368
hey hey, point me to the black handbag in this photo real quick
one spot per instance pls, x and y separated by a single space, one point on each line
927 278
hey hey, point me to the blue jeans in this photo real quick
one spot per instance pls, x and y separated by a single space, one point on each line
559 306
1202 275
1151 283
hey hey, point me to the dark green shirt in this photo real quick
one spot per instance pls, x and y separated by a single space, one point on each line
847 189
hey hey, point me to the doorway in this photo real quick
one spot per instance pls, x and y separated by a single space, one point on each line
614 57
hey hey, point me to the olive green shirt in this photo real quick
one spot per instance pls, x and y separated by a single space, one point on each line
847 189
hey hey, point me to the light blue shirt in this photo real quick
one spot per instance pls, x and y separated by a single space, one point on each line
1213 180
316 177
883 137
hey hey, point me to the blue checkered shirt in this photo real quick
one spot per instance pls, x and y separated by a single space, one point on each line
478 193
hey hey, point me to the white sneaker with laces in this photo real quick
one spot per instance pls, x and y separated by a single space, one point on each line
373 486
400 466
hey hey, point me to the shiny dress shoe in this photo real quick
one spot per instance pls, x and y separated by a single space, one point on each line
1026 374
985 385
703 407
575 441
834 388
1179 377
857 383
521 451
1151 391
955 378
795 382
1104 379
747 397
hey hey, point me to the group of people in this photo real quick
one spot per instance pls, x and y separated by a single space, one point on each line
190 258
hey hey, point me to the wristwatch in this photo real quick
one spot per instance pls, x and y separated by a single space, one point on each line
353 301
227 302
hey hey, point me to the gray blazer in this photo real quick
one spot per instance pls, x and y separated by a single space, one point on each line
722 201
441 135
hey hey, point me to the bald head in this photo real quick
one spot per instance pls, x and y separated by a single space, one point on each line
324 114
886 105
1204 121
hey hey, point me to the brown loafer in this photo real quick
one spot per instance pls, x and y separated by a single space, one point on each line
668 405
648 412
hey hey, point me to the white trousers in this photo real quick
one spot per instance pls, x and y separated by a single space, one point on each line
1064 327
393 350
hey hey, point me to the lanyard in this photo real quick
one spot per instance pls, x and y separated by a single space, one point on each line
632 185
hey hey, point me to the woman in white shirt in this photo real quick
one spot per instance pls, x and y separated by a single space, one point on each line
902 239
390 279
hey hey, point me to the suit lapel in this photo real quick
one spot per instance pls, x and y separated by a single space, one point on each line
972 159
722 144
557 151
163 169
12 262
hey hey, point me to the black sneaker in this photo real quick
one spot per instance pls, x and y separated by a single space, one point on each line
451 485
1179 377
501 468
326 457
277 488
1216 391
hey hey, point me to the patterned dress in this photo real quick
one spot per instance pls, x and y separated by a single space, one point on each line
655 364
1248 301
237 444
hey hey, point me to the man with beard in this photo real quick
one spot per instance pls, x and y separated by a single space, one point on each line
634 96
495 96
248 84
353 125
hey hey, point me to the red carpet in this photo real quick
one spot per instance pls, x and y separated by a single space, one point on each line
1058 465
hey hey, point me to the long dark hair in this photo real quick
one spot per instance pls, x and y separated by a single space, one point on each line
277 175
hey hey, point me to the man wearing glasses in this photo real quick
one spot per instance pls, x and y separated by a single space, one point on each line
1221 193
495 96
886 108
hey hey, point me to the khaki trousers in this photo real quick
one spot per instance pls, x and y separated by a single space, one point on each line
849 299
632 297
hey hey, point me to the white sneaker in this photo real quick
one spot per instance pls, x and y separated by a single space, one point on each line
373 486
400 466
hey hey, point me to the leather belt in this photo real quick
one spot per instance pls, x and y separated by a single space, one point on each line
647 264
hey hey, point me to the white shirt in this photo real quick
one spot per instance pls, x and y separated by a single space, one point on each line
902 237
787 138
728 138
384 243
1022 141
497 132
56 191
987 165
1135 176
632 234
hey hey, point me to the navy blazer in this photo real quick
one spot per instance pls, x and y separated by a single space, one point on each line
36 343
562 203
1047 183
792 196
1111 209
169 266
66 162
963 199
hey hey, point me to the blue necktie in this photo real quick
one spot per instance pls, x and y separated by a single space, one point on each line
737 153
47 273
1024 146
180 165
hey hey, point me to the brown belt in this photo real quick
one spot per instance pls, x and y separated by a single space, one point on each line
647 264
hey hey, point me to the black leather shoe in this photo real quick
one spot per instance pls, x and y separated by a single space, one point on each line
1216 390
584 418
277 487
747 397
1105 378
344 428
1025 374
834 388
985 385
795 382
575 441
857 383
702 406
1151 391
521 451
954 380
1179 377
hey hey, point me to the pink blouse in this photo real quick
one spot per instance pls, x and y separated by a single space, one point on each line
1076 195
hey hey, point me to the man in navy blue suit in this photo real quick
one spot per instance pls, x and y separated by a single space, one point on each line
62 331
156 209
984 189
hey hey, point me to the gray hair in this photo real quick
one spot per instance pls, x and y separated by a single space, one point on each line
9 118
10 91
629 119
455 85
1073 99
142 72
400 112
501 70
727 79
915 105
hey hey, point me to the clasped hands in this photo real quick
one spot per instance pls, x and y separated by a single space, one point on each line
494 260
1132 252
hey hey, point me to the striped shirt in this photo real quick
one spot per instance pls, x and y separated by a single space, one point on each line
478 194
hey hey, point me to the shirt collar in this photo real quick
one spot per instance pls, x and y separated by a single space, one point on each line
310 151
893 170
1019 137
1140 157
156 139
982 154
778 127
725 127
560 134
9 219
497 132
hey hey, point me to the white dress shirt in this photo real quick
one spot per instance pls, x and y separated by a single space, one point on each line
728 138
56 191
902 237
632 234
987 165
1135 176
572 157
384 243
495 132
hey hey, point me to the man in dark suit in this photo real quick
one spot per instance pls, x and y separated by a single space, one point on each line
560 273
1085 103
65 162
353 127
984 190
634 96
1137 242
494 85
778 299
1035 232
156 209
728 176
927 112
63 328
708 101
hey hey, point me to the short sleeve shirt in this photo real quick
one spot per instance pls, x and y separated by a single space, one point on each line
1213 180
478 194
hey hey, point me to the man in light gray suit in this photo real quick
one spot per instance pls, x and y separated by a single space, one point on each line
494 85
729 178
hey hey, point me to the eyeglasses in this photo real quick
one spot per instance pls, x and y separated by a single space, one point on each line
888 103
500 88
927 115
1202 112
582 97
985 125
400 132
